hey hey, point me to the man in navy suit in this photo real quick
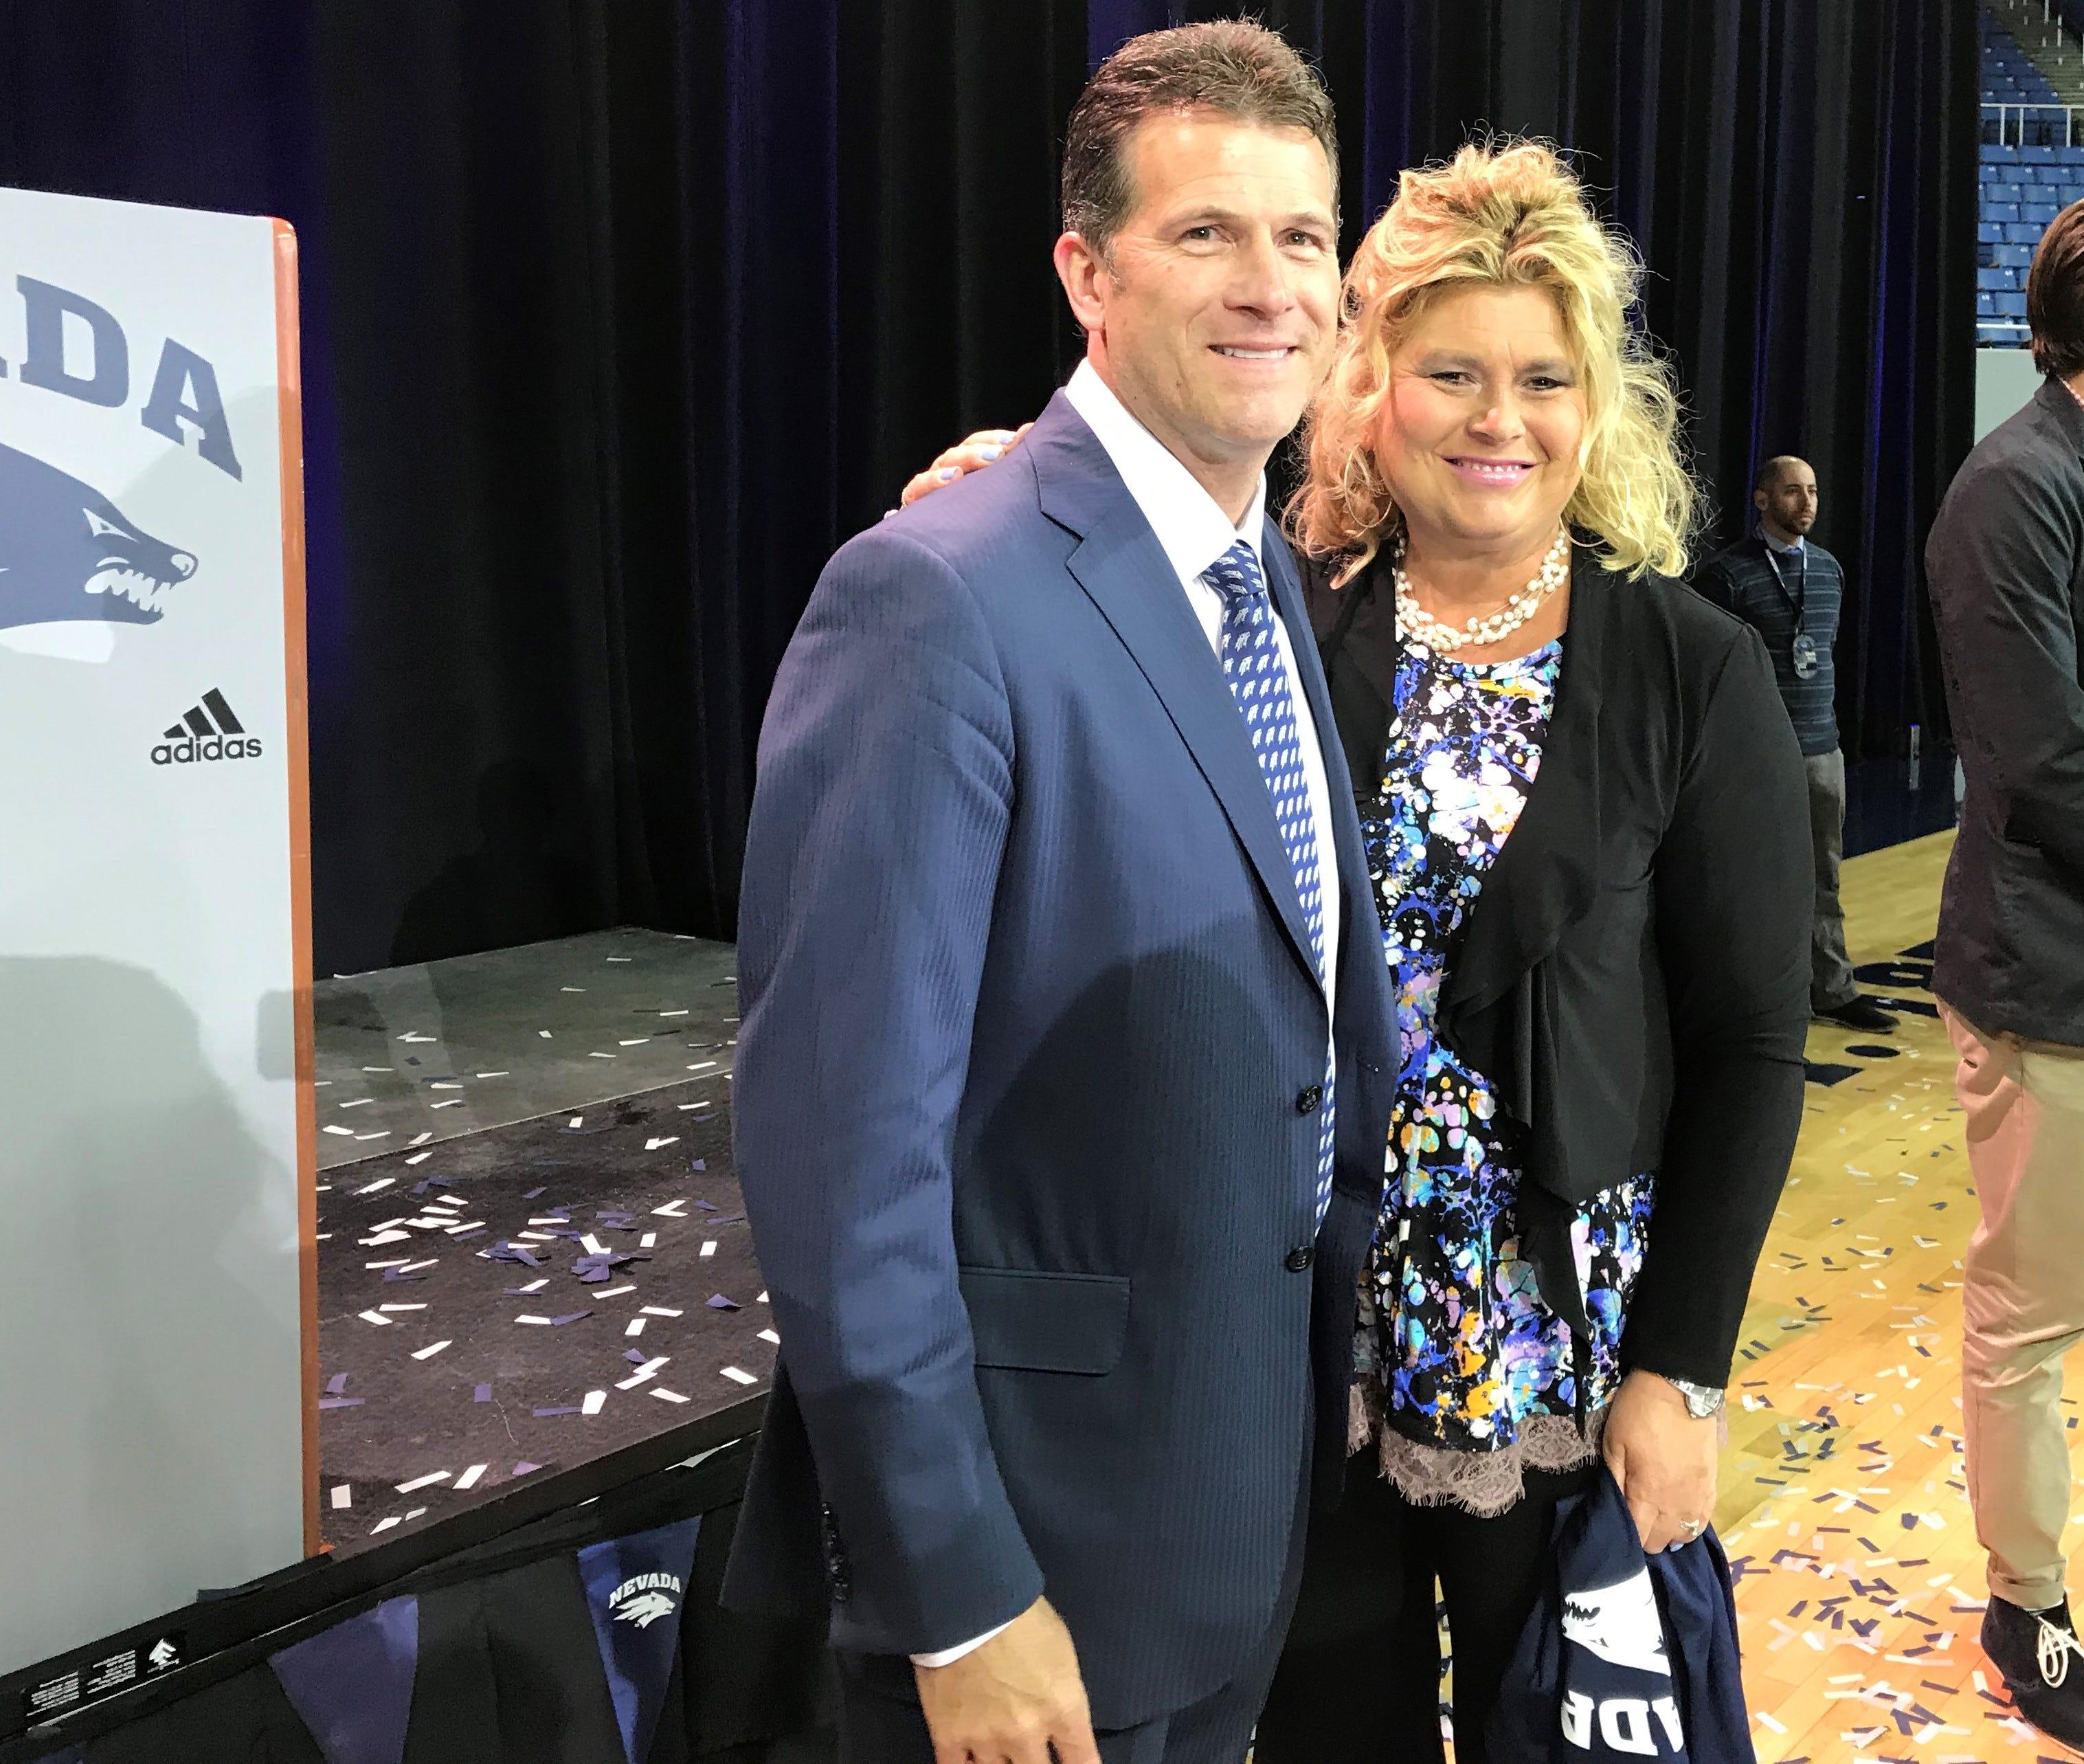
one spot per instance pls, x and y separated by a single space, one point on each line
1063 1082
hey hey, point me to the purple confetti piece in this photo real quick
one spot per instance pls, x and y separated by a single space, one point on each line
336 1383
524 1467
393 1276
571 1408
718 1302
699 1163
504 1251
484 1394
636 1356
559 1322
340 1403
465 1236
706 1207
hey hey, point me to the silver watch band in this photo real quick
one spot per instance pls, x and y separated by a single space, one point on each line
1702 1400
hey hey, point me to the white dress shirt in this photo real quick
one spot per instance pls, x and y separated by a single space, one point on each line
1195 533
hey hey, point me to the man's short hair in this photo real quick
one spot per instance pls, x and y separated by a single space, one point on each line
1234 67
2055 295
1768 474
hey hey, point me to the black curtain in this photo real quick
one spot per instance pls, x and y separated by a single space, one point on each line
621 314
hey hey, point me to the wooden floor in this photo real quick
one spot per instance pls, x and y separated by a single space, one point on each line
1843 1506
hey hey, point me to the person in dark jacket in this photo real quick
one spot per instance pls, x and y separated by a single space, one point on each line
1583 808
1791 590
2005 560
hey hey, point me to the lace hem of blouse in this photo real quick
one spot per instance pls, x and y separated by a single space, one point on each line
1484 1483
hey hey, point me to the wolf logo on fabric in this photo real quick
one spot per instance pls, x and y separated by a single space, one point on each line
646 1599
68 553
1619 1623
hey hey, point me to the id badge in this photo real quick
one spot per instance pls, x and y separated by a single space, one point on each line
1808 659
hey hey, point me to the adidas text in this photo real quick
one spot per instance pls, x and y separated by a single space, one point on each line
189 751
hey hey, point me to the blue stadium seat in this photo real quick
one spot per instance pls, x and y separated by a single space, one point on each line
1989 233
2040 213
1986 306
1992 278
2019 233
2011 256
2040 155
2005 213
2012 303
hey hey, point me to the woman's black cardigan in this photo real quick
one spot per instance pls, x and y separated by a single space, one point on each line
1634 978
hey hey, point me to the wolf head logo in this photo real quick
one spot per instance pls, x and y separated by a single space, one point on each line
67 553
644 1610
1619 1623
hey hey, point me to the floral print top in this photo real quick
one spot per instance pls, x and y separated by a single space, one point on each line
1457 1350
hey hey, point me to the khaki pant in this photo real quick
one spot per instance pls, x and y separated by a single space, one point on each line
1831 982
2023 1298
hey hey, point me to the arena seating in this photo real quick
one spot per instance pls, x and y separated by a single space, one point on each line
2027 176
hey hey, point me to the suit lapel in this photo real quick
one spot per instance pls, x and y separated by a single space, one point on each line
1124 570
1547 875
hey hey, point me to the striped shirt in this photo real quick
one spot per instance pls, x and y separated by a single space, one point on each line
1764 585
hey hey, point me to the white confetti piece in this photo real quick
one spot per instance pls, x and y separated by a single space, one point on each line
768 1335
429 1352
343 1498
614 1292
468 1479
382 1525
660 1145
419 1482
401 1308
738 1377
533 1286
542 1321
421 1140
345 1133
595 1402
377 1187
709 1249
373 1317
649 1240
658 1310
636 1327
664 1395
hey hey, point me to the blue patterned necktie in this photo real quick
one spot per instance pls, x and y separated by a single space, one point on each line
1258 682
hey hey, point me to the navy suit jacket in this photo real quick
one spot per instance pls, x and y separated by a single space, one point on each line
1030 1030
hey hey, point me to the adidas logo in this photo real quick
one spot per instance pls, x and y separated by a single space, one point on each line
164 1657
645 1598
210 731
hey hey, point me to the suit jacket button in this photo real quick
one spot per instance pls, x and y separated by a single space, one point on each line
1299 1260
1309 1099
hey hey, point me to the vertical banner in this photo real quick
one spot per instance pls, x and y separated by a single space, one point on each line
157 1290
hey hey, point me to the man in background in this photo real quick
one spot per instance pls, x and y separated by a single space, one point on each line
2006 564
1789 589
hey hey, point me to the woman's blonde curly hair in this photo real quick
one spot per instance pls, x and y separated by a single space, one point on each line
1505 215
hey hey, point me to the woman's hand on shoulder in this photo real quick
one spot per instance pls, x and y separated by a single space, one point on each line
1665 1460
986 447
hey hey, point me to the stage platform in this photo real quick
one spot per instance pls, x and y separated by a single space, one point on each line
532 1252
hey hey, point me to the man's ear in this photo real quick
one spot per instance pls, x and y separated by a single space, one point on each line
1082 270
1759 500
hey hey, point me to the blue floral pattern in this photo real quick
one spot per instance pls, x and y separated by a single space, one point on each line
1461 1348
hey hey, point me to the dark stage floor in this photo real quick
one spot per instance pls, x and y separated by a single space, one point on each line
1887 805
460 1345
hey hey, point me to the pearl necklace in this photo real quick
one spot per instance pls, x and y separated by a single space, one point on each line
1414 622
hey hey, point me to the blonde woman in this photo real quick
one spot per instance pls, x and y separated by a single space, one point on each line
1587 837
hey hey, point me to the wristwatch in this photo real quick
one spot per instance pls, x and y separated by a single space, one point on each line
1702 1400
